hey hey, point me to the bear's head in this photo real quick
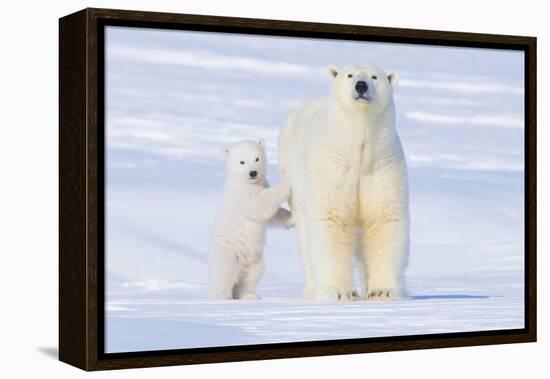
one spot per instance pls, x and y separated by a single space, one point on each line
362 87
246 161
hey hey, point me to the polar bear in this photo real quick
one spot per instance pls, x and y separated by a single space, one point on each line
248 206
349 186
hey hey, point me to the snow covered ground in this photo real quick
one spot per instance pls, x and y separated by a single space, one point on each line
175 99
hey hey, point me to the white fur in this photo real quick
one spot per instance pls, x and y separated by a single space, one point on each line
348 178
249 205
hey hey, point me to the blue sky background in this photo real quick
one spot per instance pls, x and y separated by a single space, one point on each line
175 99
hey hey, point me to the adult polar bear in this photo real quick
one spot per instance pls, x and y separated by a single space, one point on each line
348 174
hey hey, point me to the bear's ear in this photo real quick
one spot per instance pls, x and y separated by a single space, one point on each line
393 77
261 142
332 72
226 152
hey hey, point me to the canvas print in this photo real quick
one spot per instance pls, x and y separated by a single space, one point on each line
269 189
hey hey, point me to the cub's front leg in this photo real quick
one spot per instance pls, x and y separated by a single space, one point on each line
268 201
282 218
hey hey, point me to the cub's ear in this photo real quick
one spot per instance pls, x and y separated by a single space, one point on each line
332 72
393 77
261 142
226 152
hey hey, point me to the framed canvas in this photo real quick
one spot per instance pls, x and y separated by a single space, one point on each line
242 189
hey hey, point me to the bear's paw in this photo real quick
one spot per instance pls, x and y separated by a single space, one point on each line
381 294
339 294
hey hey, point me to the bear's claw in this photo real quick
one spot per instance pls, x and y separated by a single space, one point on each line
339 295
382 294
348 295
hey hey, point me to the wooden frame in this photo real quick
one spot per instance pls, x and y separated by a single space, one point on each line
81 181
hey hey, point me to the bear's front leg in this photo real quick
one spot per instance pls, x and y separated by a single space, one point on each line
384 256
268 201
384 211
332 257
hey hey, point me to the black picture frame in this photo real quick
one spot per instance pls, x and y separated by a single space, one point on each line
81 188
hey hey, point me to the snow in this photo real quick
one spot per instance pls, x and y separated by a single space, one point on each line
452 306
176 99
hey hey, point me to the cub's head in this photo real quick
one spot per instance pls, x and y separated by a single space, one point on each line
362 87
246 161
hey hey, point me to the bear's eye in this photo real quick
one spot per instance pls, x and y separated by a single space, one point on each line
257 159
374 77
350 76
242 162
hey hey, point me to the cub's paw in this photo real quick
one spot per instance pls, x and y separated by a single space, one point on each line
289 222
381 294
220 296
249 296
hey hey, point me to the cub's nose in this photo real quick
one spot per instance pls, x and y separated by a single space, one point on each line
361 87
253 174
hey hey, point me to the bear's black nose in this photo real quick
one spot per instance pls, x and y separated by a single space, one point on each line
253 174
361 87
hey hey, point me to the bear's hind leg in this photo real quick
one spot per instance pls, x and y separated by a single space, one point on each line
223 276
249 278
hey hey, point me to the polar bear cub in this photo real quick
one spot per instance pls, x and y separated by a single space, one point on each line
249 205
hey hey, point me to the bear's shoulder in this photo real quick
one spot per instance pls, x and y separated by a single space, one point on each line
312 106
307 111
